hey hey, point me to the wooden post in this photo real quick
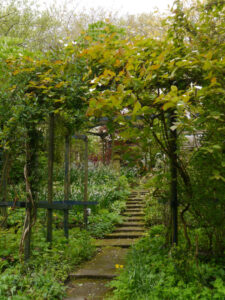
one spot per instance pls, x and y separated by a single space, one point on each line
85 180
67 184
103 149
50 175
3 186
112 146
173 172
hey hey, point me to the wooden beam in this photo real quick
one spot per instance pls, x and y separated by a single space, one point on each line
44 204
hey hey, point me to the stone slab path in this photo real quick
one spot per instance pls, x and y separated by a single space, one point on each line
90 281
102 265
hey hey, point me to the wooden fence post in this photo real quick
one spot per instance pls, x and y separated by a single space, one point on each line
3 185
67 184
85 180
173 172
50 175
103 148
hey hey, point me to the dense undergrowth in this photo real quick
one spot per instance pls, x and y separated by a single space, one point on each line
155 270
44 275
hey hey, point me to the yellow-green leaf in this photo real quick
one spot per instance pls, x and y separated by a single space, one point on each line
155 67
137 107
168 105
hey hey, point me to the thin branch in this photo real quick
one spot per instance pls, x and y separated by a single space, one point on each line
5 16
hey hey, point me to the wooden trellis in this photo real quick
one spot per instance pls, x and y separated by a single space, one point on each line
67 204
174 203
56 205
51 205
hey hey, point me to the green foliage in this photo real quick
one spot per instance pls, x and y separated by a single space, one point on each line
130 173
43 277
33 26
105 187
104 222
99 32
157 200
136 83
148 79
153 273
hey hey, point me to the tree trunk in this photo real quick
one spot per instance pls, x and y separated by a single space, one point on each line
31 180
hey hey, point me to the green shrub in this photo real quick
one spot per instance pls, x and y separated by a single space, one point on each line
103 223
44 276
153 272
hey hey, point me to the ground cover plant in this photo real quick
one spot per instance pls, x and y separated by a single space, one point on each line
151 272
43 277
192 270
105 187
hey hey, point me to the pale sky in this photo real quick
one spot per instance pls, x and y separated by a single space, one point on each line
121 6
129 6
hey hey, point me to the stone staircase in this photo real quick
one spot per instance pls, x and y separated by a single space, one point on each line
89 283
132 227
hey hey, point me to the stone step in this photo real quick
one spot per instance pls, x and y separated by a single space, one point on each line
134 203
133 210
103 265
123 243
90 281
124 235
130 224
133 214
81 289
130 219
130 229
135 206
135 200
92 275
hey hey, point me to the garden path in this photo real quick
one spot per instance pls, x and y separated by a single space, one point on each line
90 281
